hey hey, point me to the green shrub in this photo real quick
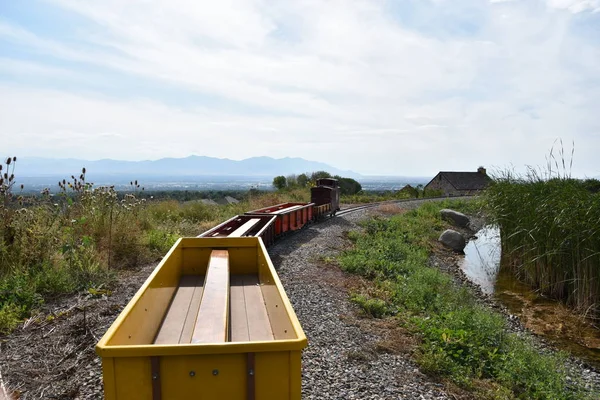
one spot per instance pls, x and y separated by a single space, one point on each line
375 308
10 317
160 241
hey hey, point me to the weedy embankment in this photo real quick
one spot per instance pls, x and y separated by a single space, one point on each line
461 340
80 238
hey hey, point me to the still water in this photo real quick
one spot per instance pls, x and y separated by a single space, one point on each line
544 316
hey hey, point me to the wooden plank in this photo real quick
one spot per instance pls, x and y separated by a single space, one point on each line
238 321
175 317
249 319
285 210
192 312
259 326
211 324
244 228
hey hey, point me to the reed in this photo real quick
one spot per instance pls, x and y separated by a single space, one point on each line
550 231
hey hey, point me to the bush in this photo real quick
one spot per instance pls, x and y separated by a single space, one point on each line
375 308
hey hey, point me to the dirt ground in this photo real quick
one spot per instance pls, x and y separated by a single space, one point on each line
51 356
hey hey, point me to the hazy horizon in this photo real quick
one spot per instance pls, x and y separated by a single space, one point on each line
378 87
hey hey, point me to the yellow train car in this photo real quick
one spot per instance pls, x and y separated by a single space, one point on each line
212 321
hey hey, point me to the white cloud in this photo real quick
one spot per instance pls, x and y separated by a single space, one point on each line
339 81
576 6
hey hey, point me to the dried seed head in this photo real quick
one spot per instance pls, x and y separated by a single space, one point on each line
22 186
64 181
8 161
15 159
83 170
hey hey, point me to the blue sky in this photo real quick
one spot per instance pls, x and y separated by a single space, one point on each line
380 87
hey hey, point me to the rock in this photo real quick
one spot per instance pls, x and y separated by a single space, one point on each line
457 218
453 239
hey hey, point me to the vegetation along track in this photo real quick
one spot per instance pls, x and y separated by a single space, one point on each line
348 357
360 207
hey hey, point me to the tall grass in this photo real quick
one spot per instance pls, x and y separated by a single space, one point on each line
550 232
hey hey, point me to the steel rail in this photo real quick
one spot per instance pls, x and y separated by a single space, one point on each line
380 203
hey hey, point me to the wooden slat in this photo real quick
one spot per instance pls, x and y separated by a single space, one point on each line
259 326
211 324
244 228
192 313
238 321
173 323
285 210
249 318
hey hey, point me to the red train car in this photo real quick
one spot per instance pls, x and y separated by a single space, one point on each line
289 216
262 226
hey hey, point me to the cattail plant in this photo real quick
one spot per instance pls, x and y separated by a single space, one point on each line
550 234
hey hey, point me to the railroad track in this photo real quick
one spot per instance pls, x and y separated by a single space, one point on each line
349 210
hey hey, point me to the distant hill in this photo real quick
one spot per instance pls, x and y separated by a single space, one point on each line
192 166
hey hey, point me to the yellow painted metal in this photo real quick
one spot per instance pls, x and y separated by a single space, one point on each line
208 370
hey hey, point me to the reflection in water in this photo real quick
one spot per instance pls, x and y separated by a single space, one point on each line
482 258
541 315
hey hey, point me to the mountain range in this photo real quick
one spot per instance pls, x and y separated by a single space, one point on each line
192 166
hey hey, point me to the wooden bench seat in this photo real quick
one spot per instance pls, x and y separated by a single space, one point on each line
239 232
179 321
216 308
288 209
249 320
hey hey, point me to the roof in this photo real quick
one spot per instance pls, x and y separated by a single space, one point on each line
465 180
231 200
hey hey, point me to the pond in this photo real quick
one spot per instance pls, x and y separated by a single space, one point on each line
546 317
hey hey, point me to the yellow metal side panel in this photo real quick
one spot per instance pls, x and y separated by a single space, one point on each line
145 316
204 377
242 253
278 315
272 374
221 243
108 378
195 260
295 375
133 377
243 260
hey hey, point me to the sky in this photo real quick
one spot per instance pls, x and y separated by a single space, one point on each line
379 87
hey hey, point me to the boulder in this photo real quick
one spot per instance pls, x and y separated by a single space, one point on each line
457 218
453 239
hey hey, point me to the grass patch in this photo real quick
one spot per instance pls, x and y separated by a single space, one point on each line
460 340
